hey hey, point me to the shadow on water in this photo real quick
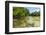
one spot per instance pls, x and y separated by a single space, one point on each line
26 22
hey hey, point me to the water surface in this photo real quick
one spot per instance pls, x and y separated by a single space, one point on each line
29 21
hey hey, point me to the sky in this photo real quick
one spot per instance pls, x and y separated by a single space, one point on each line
33 9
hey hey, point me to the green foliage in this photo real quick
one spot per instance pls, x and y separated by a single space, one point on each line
35 13
20 11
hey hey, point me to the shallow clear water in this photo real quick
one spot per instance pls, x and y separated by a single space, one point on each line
29 21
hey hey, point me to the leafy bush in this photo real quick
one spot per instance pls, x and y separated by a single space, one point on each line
20 12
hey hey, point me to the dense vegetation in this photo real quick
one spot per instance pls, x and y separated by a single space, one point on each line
22 12
35 13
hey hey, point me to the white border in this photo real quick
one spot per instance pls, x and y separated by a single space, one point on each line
11 29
